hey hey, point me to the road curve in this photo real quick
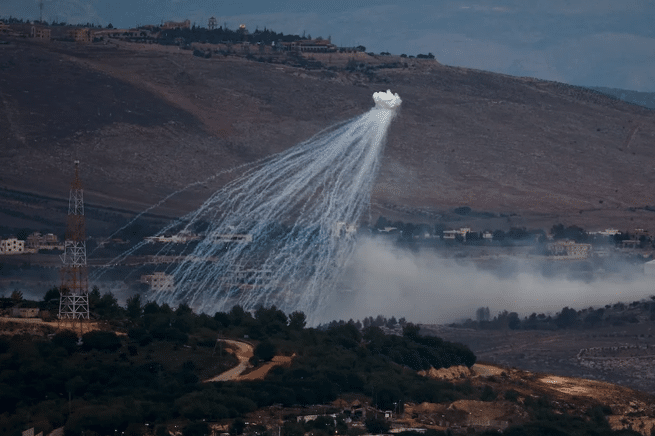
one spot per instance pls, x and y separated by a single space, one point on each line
244 352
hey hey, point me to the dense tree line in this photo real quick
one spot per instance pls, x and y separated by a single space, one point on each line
108 382
614 315
224 35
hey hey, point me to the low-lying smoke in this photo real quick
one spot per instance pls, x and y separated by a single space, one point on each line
426 288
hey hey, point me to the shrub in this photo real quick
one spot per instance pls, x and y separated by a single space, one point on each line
101 340
265 351
511 395
376 425
488 394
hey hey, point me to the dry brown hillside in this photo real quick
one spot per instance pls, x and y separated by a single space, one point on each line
146 121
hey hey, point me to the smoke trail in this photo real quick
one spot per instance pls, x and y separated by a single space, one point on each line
165 199
281 233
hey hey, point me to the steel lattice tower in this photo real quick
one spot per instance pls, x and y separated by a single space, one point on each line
74 292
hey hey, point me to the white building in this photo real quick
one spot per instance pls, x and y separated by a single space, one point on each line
49 241
180 238
451 234
252 276
241 238
606 232
25 312
12 246
343 229
569 250
159 281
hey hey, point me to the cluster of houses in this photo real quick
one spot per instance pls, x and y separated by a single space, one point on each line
556 249
34 242
148 33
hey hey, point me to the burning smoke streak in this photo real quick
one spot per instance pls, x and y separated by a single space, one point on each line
281 233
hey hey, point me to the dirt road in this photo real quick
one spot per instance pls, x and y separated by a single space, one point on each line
244 351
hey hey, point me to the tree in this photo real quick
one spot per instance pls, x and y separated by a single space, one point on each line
66 339
238 315
382 222
566 318
482 314
199 428
411 331
237 427
513 321
101 340
110 26
94 298
107 307
376 425
297 321
16 296
360 48
134 309
488 394
51 294
265 351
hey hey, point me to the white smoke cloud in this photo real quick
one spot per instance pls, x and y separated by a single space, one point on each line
426 288
387 100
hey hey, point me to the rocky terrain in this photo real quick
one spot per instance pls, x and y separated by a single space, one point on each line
622 355
146 121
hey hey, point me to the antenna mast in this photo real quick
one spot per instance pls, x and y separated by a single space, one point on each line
74 291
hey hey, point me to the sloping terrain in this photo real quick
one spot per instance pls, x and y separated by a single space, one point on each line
511 393
147 121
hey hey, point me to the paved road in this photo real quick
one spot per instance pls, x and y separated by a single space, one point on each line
244 352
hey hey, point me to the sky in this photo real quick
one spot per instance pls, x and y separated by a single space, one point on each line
607 43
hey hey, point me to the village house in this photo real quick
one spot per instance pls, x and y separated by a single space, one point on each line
12 246
159 281
569 250
310 46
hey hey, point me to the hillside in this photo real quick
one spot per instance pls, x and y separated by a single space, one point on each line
646 99
337 380
146 121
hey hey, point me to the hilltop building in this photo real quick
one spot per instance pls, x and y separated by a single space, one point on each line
123 34
186 24
41 32
310 46
81 34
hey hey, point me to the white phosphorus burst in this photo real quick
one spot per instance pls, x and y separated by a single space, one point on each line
281 233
